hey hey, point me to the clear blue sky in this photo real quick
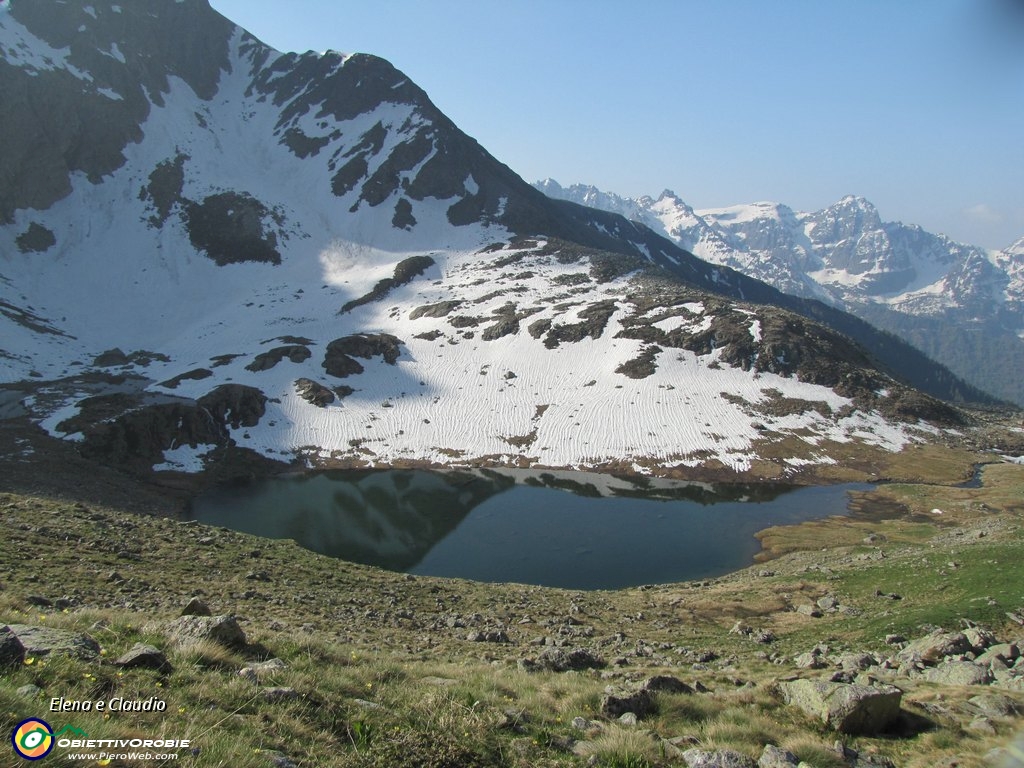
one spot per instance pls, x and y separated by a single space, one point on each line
917 105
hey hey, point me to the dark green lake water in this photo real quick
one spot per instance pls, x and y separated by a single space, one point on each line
565 529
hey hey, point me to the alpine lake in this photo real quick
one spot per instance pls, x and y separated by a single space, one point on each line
564 529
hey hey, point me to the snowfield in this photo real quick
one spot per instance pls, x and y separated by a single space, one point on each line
117 279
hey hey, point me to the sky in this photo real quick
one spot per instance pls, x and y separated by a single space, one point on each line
917 105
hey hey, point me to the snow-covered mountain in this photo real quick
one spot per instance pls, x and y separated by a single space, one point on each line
208 247
961 304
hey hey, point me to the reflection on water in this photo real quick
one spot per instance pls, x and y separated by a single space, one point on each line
566 529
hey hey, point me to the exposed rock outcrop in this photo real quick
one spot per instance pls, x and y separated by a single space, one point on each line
853 709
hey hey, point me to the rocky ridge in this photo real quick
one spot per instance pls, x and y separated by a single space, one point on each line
959 303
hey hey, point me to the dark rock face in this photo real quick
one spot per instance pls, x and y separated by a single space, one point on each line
267 360
339 362
142 434
593 321
36 239
164 188
117 430
316 394
406 271
196 374
230 228
87 131
642 366
235 404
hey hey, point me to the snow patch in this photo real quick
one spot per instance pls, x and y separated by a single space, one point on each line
184 458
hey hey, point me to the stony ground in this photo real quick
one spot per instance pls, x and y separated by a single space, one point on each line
384 669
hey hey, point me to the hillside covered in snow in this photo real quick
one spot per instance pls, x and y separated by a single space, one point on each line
214 246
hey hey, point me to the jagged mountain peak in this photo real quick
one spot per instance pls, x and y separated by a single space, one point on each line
946 297
1016 249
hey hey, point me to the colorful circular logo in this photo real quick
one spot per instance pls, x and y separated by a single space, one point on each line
32 739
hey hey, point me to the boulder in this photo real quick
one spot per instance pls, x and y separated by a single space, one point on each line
144 656
934 647
720 758
852 709
46 641
995 705
979 638
1005 652
640 703
666 684
857 661
196 607
223 630
776 757
12 652
959 673
561 660
314 393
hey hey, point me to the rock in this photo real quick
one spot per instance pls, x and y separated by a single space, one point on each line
776 757
982 725
280 694
279 759
857 661
628 719
490 636
828 603
12 652
339 359
44 641
561 660
870 761
30 691
959 673
223 630
1006 652
196 607
995 705
235 404
264 361
666 684
806 609
810 660
720 758
979 638
314 393
581 724
145 657
640 704
933 648
852 709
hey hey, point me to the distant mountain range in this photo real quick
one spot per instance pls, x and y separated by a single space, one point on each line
211 249
960 304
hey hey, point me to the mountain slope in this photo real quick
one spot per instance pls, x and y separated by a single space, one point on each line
960 304
224 248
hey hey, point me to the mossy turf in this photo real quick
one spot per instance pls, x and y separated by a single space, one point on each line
380 670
